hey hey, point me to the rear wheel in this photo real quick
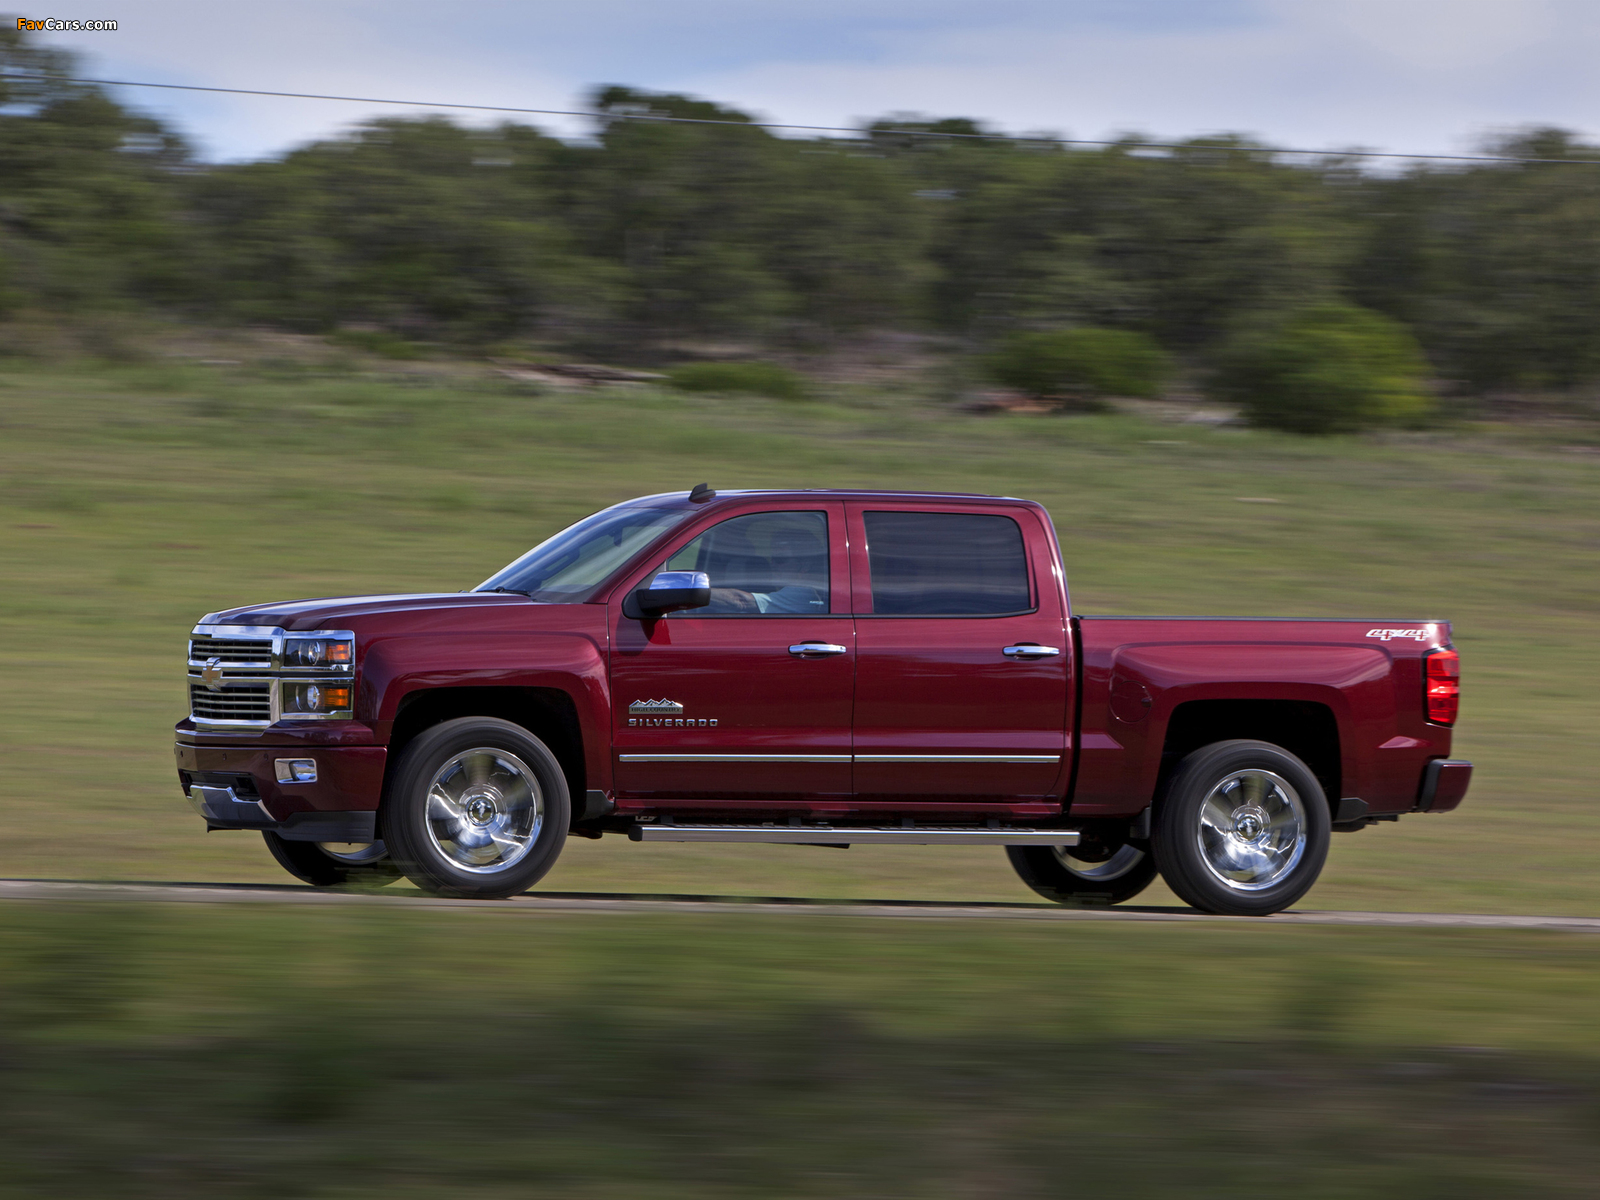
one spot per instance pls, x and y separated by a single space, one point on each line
1092 874
334 864
477 808
1241 828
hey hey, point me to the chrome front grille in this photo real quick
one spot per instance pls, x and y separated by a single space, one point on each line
231 650
237 677
235 703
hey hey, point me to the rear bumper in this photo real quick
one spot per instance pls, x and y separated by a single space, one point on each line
243 787
1444 784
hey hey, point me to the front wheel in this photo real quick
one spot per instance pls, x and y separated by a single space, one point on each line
1092 874
334 864
476 808
1241 828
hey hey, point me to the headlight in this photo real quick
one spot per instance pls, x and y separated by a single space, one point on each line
315 699
317 652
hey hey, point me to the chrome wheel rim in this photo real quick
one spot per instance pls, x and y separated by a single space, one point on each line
1124 859
1252 831
355 854
485 810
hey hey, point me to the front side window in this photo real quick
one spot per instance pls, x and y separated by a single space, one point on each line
763 564
946 564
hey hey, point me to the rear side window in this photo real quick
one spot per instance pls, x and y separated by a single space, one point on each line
946 564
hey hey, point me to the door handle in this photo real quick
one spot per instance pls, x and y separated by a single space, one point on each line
817 649
1030 651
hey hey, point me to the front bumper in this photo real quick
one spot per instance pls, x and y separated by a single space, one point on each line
238 787
222 808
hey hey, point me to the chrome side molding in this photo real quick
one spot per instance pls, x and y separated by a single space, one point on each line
689 756
848 835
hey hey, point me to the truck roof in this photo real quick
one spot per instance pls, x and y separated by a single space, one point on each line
838 494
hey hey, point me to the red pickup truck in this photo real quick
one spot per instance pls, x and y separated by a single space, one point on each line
827 668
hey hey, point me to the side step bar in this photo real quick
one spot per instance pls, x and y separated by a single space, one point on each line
857 835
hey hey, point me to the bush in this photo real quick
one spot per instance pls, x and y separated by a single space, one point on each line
1082 364
1335 368
756 378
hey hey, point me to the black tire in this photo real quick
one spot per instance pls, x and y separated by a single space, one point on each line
1093 874
1241 828
308 861
498 815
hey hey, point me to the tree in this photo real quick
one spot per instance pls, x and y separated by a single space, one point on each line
417 225
89 213
1495 267
684 218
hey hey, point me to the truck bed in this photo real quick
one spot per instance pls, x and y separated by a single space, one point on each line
1345 695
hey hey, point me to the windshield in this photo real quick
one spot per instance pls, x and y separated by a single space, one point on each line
567 568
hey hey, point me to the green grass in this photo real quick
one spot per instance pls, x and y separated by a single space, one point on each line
746 378
134 499
287 1052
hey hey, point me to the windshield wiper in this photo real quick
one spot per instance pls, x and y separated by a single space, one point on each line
512 591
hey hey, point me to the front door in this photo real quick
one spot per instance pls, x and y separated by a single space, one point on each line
963 659
746 702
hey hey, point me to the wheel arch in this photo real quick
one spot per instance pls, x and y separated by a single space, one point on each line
1305 728
550 714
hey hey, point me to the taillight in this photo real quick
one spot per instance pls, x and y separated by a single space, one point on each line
1442 686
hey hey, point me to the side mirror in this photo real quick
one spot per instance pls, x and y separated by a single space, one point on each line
670 591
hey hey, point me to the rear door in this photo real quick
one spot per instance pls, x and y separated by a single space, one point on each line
963 659
744 703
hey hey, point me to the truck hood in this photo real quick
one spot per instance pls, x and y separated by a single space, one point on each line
342 612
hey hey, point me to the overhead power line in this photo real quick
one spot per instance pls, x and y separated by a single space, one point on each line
614 115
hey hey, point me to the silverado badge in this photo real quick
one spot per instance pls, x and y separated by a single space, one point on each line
655 708
652 713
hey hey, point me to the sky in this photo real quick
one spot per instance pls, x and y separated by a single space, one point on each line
1415 76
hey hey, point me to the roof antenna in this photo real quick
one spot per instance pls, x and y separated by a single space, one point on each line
701 493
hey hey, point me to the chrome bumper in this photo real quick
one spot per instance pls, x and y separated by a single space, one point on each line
222 808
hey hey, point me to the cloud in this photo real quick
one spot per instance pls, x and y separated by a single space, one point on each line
1332 74
342 48
1425 75
1437 36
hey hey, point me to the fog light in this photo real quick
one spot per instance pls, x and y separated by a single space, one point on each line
296 770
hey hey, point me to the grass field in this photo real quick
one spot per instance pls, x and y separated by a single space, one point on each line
287 1052
313 1053
135 498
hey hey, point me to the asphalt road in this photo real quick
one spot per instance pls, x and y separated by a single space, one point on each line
536 903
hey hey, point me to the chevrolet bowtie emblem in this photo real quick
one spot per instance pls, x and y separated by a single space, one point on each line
655 708
211 674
